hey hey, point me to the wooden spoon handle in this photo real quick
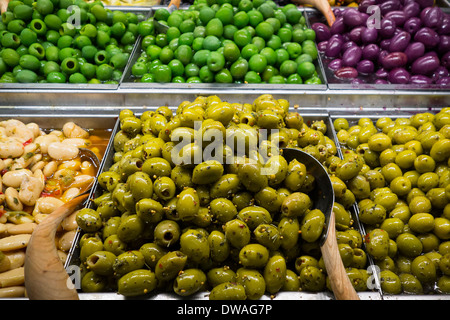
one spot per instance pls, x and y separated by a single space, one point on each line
4 5
323 6
175 3
45 276
340 283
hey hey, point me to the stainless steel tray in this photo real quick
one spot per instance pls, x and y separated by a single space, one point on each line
335 83
129 82
375 115
69 86
73 256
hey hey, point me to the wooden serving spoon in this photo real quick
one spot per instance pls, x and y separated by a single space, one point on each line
323 199
323 6
45 276
3 5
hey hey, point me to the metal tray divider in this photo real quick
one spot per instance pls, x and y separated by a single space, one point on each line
73 255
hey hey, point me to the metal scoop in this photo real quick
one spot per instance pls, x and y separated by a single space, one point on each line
45 276
160 27
323 199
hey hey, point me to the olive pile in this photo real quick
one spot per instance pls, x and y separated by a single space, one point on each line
67 41
400 177
166 223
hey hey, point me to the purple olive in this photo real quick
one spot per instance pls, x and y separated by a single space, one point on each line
370 52
427 36
353 18
352 56
431 17
444 27
346 73
398 76
387 28
355 34
383 53
414 50
445 81
425 65
412 25
321 46
335 64
384 44
400 41
445 60
389 5
334 47
397 16
411 10
381 81
364 4
444 44
322 31
420 79
347 45
394 60
338 26
369 35
365 67
440 72
425 3
382 73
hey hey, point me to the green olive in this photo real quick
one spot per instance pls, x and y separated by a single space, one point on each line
423 269
228 291
189 281
377 243
194 244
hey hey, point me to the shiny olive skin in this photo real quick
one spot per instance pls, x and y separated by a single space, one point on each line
268 236
189 281
216 276
312 225
136 283
89 220
167 233
275 273
312 279
289 232
188 204
223 209
410 284
253 256
409 245
92 282
207 172
228 291
194 243
237 233
169 265
423 269
219 246
252 281
149 210
296 205
390 282
254 216
152 253
164 188
128 261
101 262
377 243
295 176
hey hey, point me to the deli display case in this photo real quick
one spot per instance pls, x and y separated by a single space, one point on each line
331 118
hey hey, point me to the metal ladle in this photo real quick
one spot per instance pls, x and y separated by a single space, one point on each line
323 199
45 276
